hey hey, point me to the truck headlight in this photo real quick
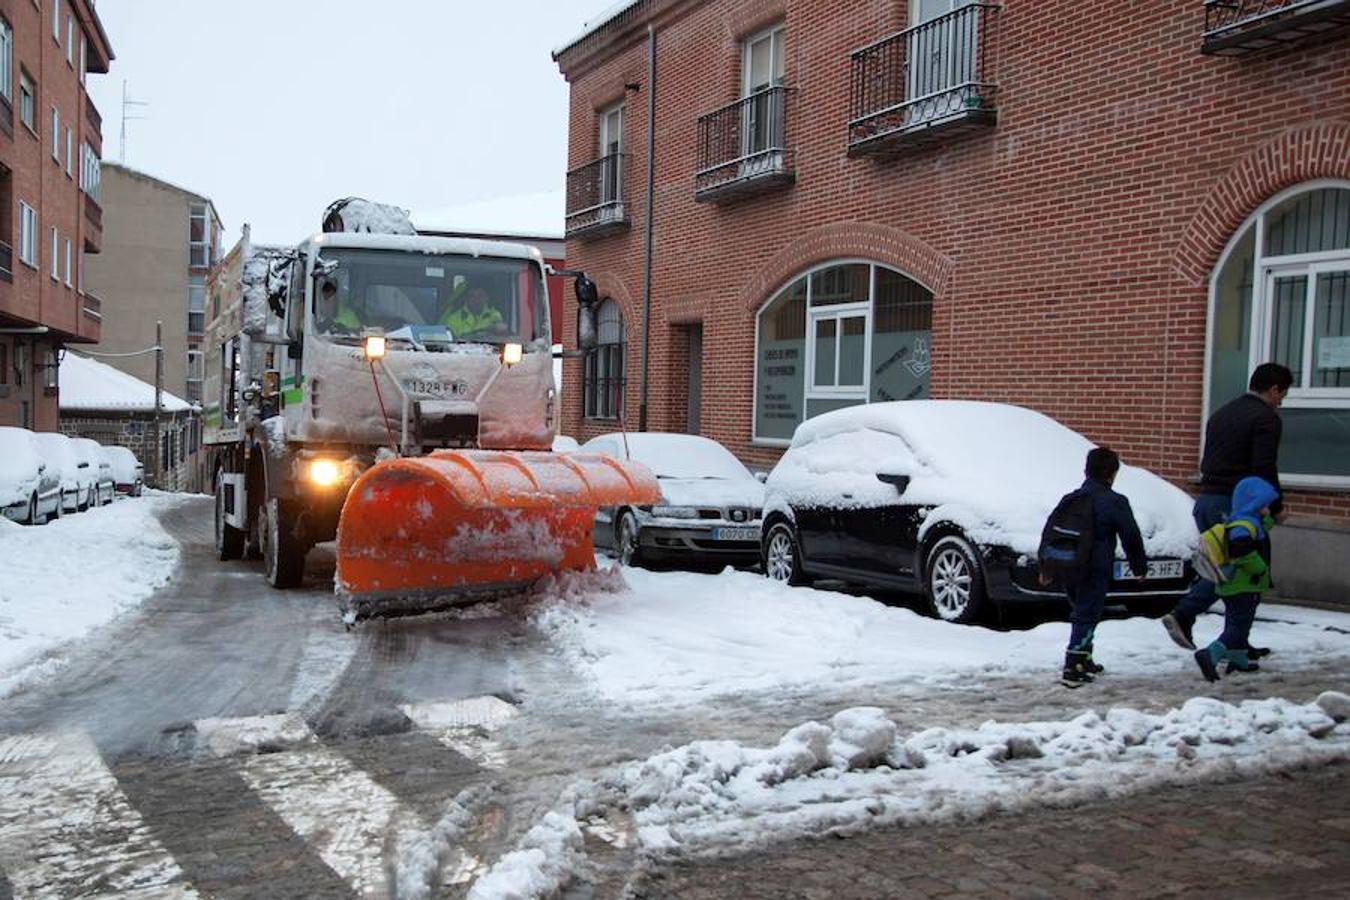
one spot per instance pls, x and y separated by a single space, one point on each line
511 354
324 472
675 512
375 347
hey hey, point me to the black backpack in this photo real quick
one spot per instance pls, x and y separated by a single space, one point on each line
1066 540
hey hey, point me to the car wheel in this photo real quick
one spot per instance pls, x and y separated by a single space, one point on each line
781 557
628 540
953 580
283 553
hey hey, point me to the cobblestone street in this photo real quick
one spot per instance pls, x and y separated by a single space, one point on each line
1285 836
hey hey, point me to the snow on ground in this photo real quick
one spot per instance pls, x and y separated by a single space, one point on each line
61 580
673 638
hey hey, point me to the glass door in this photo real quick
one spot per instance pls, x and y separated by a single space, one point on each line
941 57
762 116
611 146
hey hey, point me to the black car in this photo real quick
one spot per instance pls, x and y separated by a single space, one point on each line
947 499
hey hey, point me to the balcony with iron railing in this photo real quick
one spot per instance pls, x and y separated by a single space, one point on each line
1242 27
6 262
742 147
595 197
93 307
93 217
928 83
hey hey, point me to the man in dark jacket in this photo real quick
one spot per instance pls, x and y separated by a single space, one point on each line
1242 439
1112 518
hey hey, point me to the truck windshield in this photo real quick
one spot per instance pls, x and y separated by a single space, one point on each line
430 298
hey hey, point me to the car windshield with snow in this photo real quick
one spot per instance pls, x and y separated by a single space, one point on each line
948 498
30 487
77 479
428 300
711 505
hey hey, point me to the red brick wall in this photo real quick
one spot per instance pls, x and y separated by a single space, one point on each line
32 297
1069 248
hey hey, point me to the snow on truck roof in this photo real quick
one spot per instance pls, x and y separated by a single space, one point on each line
423 244
88 384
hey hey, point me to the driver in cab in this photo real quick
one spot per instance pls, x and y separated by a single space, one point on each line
335 316
474 313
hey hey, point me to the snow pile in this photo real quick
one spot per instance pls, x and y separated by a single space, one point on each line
19 462
548 856
87 384
355 215
422 856
62 580
855 773
675 638
993 469
673 455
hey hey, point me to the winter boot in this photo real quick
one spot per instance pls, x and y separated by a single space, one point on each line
1258 652
1208 658
1093 667
1179 626
1240 661
1076 672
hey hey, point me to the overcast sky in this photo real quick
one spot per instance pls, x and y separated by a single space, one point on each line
273 108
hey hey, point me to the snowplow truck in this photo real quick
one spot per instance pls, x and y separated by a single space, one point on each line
395 392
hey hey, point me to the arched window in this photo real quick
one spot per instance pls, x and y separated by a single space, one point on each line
1281 294
602 387
837 335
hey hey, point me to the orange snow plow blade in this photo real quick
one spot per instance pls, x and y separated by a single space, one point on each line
424 533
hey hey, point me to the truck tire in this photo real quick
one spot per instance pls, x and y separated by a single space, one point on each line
283 552
229 540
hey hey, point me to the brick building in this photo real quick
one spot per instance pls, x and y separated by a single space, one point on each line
50 145
1107 216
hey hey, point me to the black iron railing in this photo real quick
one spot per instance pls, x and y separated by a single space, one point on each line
938 73
743 145
6 262
1238 27
595 195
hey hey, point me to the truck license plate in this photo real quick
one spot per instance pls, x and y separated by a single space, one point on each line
1158 569
735 534
432 388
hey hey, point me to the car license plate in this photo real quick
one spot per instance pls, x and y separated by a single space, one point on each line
1158 569
735 534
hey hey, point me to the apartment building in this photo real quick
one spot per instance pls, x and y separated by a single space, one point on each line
162 241
1108 214
50 216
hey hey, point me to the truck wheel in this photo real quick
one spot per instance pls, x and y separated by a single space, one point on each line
283 552
229 540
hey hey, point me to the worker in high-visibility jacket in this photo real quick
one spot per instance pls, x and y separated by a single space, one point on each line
335 316
474 314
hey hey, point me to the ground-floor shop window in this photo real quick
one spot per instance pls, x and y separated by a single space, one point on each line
1281 293
602 376
838 335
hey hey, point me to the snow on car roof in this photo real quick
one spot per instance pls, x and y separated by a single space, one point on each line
539 215
994 469
425 244
89 384
671 455
18 461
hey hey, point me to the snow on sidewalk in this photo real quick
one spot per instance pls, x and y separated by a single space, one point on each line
60 581
857 773
672 638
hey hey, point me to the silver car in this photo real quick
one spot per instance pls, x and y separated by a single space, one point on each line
711 506
30 488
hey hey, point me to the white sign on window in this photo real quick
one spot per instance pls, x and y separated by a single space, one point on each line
1333 353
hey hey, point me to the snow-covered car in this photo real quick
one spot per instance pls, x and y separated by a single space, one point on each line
30 488
90 451
77 481
127 472
710 505
565 444
947 498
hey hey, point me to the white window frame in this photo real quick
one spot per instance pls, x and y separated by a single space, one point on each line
6 60
56 21
56 254
70 40
70 153
205 242
777 65
69 280
814 314
1259 318
56 134
28 90
29 245
84 57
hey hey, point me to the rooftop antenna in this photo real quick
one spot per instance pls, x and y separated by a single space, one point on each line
127 105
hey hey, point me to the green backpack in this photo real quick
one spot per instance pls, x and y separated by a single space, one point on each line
1212 561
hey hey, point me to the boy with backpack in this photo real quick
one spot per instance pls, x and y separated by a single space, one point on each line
1078 550
1236 556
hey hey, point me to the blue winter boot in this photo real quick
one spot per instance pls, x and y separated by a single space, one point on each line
1208 658
1240 661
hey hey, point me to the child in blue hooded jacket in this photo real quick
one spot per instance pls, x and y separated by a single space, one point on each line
1247 530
